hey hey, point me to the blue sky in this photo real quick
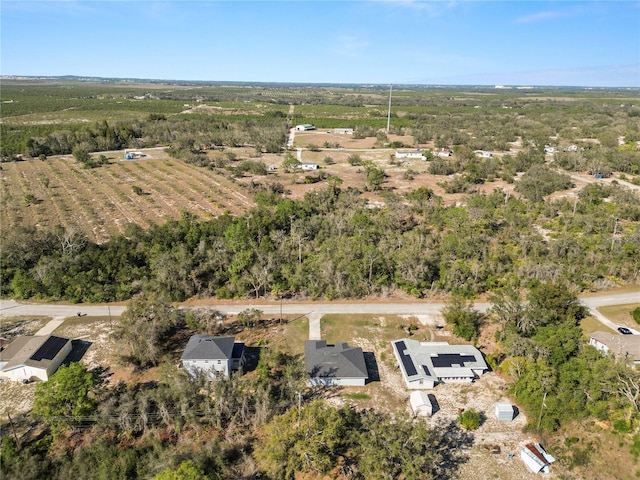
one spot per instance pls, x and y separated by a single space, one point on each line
418 42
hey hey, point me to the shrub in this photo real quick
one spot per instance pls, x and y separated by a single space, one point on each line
635 313
469 419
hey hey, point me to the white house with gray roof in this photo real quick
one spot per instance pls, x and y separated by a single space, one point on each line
214 356
425 364
33 357
337 364
625 347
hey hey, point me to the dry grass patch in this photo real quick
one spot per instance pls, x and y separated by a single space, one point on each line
590 325
620 314
11 327
295 333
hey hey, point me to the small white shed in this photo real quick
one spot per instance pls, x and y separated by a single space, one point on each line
505 412
421 404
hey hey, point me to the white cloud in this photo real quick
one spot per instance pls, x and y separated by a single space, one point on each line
432 8
350 46
539 17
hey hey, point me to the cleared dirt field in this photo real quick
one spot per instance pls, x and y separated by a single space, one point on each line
101 202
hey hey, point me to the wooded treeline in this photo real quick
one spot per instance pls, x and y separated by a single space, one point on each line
331 245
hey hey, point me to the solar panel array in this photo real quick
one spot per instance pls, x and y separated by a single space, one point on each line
409 367
450 359
49 349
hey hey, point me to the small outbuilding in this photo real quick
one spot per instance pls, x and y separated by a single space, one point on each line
305 127
536 458
505 412
415 154
421 404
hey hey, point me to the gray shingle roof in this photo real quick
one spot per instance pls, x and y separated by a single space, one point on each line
208 347
338 361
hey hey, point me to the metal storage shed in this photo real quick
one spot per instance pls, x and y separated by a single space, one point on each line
505 412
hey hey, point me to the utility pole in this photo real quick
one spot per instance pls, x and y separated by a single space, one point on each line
544 397
13 429
389 113
615 230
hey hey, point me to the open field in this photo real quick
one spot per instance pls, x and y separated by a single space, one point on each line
101 202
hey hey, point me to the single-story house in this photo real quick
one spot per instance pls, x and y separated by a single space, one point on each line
424 364
410 154
215 356
337 364
536 458
483 154
33 357
304 127
421 405
621 346
309 166
342 131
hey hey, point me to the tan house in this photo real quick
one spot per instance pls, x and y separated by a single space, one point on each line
30 358
621 346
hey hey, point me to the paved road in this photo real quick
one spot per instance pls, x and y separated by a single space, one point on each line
422 310
10 308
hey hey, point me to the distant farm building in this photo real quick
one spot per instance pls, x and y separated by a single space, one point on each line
416 154
424 364
342 131
213 356
309 166
337 364
483 154
443 153
305 127
33 357
133 154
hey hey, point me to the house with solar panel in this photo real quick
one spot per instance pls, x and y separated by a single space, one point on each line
216 357
30 358
337 364
425 364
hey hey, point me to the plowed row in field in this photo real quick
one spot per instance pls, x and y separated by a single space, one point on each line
101 202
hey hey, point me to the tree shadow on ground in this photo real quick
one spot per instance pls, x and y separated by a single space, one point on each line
454 442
